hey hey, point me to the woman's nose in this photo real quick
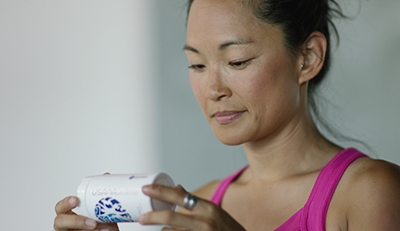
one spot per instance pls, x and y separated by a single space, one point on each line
217 86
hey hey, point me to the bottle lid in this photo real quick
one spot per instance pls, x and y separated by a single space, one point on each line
162 179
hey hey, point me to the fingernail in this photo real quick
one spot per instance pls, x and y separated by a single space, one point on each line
141 219
146 188
72 201
90 223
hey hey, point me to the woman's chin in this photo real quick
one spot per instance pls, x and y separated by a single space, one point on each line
228 139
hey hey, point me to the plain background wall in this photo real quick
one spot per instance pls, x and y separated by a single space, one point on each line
362 93
76 99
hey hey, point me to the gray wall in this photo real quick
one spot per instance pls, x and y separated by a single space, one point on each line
76 99
362 94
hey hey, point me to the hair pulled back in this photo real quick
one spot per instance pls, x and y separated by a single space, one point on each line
298 19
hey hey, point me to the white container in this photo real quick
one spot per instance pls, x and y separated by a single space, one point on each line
119 197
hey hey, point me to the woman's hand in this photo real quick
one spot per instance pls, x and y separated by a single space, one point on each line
66 220
204 215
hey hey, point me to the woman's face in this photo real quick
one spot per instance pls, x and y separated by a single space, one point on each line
243 76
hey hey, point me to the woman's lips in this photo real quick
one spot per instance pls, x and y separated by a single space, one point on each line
226 117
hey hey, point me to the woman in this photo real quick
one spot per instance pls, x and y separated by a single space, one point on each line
254 65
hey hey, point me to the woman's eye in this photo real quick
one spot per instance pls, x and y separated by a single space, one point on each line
197 67
238 64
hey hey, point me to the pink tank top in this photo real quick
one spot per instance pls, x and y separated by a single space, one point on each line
312 216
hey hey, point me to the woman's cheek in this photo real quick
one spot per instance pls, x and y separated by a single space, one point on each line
197 88
258 82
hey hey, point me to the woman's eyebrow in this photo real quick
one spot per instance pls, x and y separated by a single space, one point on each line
223 46
189 48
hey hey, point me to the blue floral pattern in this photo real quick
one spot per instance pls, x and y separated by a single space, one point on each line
110 210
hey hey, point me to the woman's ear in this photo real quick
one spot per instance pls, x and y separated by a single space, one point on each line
313 56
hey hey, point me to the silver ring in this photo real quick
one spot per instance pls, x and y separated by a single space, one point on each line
189 201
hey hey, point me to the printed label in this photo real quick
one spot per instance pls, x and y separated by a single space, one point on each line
110 210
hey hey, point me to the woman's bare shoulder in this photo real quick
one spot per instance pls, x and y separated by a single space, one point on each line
207 190
373 172
373 195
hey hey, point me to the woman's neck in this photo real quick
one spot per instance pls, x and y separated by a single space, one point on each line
297 149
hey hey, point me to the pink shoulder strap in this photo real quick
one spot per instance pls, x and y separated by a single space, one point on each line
312 216
223 185
316 207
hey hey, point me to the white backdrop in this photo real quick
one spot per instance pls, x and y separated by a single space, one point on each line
76 99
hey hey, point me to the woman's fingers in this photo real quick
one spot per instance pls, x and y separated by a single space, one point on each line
107 226
72 221
66 205
173 228
75 222
167 194
202 214
170 218
172 195
68 220
64 222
